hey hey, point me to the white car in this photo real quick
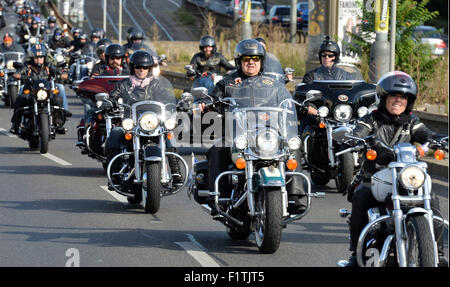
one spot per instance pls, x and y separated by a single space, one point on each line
431 36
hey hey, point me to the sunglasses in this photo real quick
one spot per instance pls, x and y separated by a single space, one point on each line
324 55
115 58
247 59
142 67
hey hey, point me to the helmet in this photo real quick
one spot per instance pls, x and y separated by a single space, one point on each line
141 58
38 51
115 50
98 32
51 19
136 34
249 47
58 34
397 83
208 41
331 46
76 30
101 45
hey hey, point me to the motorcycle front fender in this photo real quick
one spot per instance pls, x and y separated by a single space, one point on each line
270 177
153 153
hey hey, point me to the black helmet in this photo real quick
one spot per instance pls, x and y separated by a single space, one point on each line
98 32
58 34
51 19
115 50
136 34
397 83
76 30
141 58
249 47
207 41
330 46
101 45
38 51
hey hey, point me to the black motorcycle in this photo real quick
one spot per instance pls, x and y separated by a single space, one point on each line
9 86
340 104
92 137
37 124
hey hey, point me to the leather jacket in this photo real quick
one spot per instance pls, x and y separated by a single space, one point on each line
213 63
323 73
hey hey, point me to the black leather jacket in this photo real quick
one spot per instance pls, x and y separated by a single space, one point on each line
213 63
323 73
30 72
390 130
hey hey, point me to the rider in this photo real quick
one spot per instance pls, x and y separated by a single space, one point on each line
38 68
115 62
140 86
392 124
58 40
249 57
134 43
96 35
208 59
8 45
100 52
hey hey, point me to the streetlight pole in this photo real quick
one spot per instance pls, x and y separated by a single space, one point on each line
293 21
393 34
378 64
246 26
104 15
120 22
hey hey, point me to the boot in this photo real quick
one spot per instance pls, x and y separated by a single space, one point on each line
175 169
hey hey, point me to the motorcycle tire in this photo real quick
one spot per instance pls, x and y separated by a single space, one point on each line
151 198
345 173
44 134
269 222
243 232
420 245
319 178
12 93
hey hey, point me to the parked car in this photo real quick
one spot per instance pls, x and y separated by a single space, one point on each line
431 36
303 7
257 13
281 14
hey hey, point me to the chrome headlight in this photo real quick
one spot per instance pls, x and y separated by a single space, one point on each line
240 142
362 111
343 113
60 58
33 40
170 123
294 143
412 177
323 112
149 122
127 124
41 95
267 141
90 65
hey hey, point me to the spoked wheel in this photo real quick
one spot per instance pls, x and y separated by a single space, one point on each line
419 245
269 221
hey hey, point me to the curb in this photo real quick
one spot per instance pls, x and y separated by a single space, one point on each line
437 167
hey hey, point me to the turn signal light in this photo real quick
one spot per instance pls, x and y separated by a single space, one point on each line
240 163
292 164
169 136
439 154
100 116
322 125
371 154
56 91
2 74
421 151
26 92
128 136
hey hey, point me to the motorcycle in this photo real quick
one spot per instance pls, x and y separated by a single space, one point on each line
206 79
262 151
340 104
81 68
9 86
58 57
37 123
142 172
400 229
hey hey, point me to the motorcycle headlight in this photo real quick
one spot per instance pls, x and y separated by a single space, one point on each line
90 65
323 112
412 177
240 142
170 123
343 113
267 141
362 111
149 122
10 65
41 95
33 40
127 124
294 143
60 58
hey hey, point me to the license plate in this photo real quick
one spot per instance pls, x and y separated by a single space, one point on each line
286 19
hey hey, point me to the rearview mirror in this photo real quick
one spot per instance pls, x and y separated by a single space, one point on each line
200 92
101 96
313 95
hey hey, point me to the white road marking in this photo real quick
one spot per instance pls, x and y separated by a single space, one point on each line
120 198
196 250
56 159
6 133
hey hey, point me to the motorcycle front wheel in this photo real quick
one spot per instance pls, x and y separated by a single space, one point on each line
151 191
44 132
268 225
345 173
12 94
420 245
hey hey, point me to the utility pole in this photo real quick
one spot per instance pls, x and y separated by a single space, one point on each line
293 21
246 26
393 33
379 63
236 12
104 15
120 22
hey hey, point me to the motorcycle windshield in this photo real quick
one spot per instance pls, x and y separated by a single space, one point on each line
260 103
41 84
159 99
273 68
13 56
